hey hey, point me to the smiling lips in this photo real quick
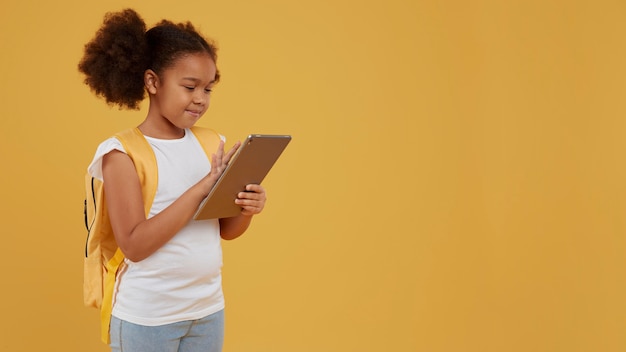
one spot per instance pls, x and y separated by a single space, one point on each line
195 113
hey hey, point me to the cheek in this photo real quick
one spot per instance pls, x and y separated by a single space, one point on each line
178 97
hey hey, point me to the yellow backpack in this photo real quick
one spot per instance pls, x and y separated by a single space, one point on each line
102 255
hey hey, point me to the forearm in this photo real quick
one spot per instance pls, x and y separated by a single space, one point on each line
231 228
151 234
252 202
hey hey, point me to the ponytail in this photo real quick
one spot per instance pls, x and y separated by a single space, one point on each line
115 60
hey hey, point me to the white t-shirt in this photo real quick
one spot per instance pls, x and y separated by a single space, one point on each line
181 280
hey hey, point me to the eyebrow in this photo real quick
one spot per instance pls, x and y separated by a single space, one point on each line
195 79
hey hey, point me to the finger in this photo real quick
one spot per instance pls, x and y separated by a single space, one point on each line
215 165
255 188
219 154
257 196
217 159
250 202
249 210
249 196
245 201
231 152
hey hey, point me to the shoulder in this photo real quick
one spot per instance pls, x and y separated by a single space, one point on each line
206 132
206 135
108 145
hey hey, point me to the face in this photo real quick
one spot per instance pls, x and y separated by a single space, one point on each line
181 94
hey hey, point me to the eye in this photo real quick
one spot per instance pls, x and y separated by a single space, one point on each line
189 87
208 90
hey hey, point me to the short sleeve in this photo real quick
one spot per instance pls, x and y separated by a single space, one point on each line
95 168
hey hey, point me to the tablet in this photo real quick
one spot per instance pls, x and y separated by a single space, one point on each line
250 164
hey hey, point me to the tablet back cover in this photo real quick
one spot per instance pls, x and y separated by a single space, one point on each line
256 156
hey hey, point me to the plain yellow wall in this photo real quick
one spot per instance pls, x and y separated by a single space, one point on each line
456 181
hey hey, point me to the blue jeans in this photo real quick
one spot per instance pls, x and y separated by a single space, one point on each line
206 335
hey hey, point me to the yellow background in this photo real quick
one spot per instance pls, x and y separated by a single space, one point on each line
456 181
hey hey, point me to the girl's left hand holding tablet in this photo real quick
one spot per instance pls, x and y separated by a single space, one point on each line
252 200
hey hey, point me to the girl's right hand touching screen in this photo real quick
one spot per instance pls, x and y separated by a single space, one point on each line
219 161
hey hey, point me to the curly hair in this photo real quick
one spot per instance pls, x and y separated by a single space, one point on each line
115 60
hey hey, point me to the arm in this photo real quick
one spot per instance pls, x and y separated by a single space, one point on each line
252 202
137 236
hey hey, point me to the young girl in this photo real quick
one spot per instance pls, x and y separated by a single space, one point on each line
168 294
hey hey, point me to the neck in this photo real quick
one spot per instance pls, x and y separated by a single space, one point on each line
161 130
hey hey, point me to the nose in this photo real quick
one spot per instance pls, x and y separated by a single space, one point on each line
201 98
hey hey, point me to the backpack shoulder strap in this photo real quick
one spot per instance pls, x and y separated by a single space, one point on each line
208 138
142 155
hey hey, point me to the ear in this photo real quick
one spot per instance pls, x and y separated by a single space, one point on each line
151 81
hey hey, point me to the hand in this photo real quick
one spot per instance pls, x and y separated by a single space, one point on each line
219 160
252 200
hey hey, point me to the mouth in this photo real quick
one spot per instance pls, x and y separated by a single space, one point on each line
194 113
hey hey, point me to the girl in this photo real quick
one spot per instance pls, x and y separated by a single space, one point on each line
168 294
